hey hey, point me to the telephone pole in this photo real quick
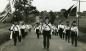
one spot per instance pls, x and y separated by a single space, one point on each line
78 5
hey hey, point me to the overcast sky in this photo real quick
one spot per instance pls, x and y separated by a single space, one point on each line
55 5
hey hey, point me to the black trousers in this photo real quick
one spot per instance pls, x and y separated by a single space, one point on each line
46 37
67 36
56 33
74 38
61 34
16 36
37 32
23 33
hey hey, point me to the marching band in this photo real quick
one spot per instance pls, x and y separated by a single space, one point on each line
69 32
18 31
15 33
74 33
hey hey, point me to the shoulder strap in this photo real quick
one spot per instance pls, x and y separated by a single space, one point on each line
49 26
15 26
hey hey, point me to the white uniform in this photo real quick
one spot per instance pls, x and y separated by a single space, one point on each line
37 28
61 26
15 28
66 28
75 29
22 26
41 28
61 31
74 35
47 27
27 27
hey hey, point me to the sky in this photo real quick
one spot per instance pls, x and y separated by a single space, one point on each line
54 5
3 4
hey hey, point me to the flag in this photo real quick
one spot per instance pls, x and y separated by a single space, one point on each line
73 11
68 11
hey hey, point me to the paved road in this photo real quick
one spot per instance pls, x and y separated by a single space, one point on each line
31 43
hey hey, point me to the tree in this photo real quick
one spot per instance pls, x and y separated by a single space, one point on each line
64 13
23 9
52 17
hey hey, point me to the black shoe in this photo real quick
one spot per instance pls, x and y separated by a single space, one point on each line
75 45
44 47
47 49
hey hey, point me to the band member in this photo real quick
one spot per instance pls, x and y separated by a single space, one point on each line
41 28
22 28
53 29
50 25
37 31
15 33
61 29
67 31
27 29
56 31
74 33
46 33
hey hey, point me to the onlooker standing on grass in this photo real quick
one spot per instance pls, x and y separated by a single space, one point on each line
15 33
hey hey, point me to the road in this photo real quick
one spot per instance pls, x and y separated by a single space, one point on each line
31 43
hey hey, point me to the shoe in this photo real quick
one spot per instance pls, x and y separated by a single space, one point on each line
47 49
44 47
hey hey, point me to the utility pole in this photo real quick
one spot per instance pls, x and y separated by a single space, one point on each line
78 5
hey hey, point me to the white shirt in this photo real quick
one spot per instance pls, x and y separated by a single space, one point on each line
61 26
27 26
37 28
75 29
47 27
22 26
30 26
15 28
57 29
52 28
41 28
66 28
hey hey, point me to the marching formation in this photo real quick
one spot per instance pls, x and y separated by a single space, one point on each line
68 32
18 31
